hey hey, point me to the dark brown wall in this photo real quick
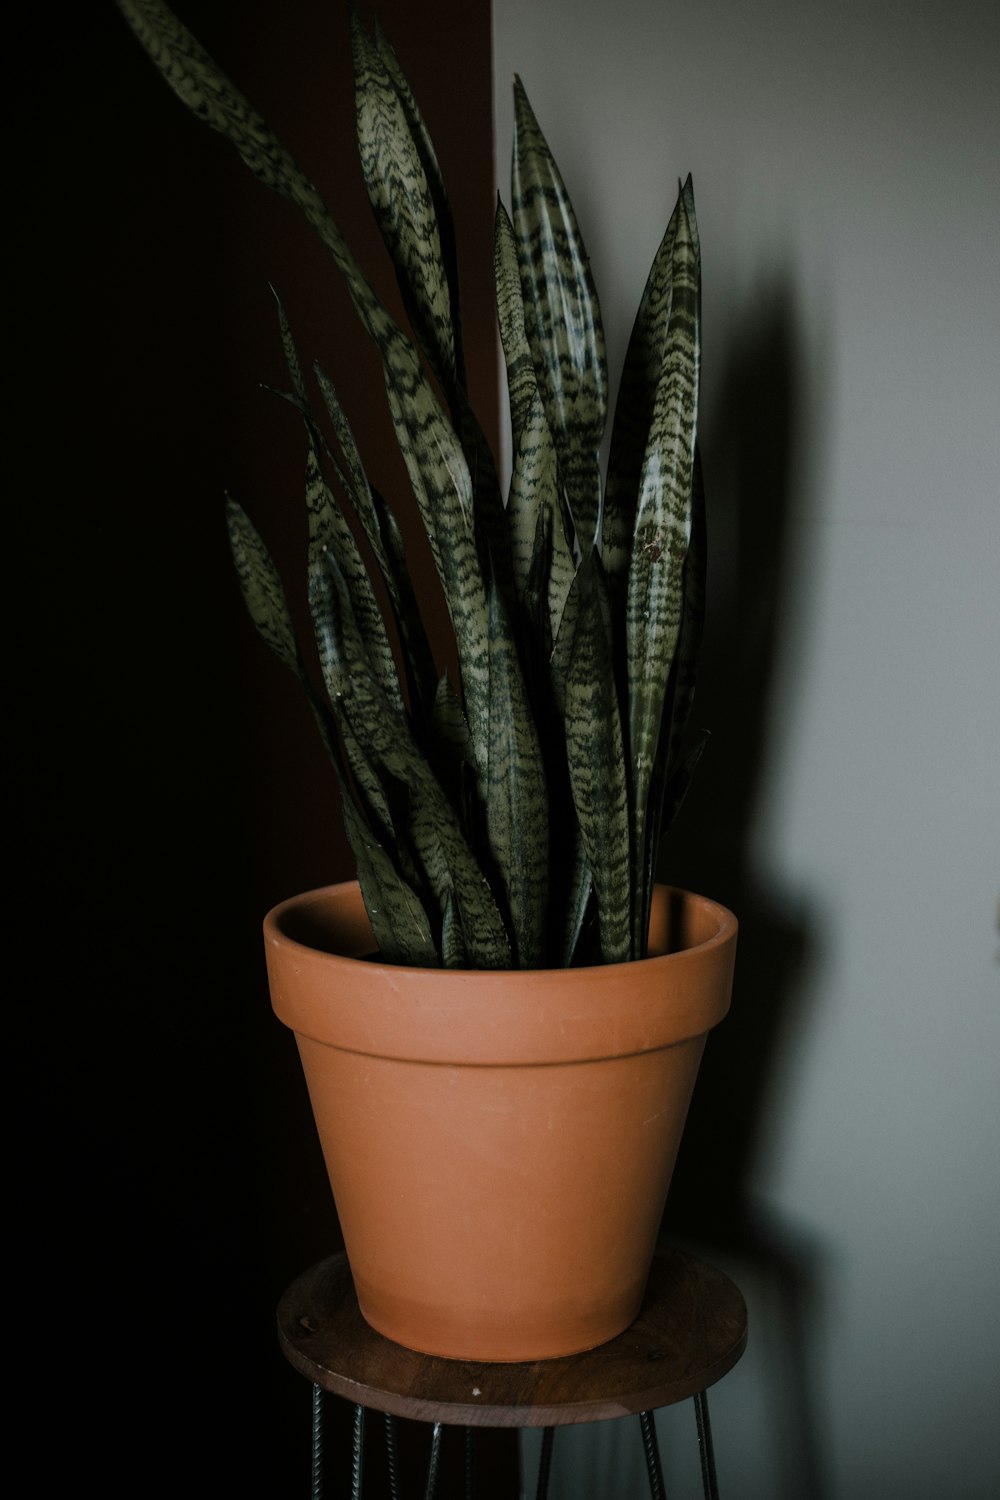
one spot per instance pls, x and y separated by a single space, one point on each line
165 783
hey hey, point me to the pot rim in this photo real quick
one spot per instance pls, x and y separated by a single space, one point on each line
494 1017
295 905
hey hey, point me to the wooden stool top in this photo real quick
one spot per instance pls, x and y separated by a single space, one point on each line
691 1331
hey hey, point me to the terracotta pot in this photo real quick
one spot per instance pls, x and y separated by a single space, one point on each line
499 1144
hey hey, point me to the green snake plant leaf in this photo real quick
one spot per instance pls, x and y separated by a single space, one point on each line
291 353
576 615
535 595
394 149
434 458
265 600
547 667
353 478
532 485
446 744
517 806
366 784
675 764
417 655
579 894
438 192
534 482
562 316
200 84
596 754
688 654
449 720
489 508
383 536
385 738
261 587
399 922
453 953
521 382
407 194
441 483
330 533
661 537
634 408
550 566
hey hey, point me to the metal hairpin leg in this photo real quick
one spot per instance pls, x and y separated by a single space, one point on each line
316 1486
392 1455
646 1422
358 1453
432 1467
653 1469
708 1479
545 1463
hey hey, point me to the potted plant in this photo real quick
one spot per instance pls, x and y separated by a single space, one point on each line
501 1020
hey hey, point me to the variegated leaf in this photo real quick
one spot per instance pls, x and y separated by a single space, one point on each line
562 316
634 412
355 480
521 383
453 954
662 534
535 603
400 925
261 586
269 611
201 84
517 806
385 737
450 728
437 466
403 203
435 183
329 532
442 486
562 649
446 744
688 653
418 658
383 536
407 192
532 487
596 754
534 511
290 352
368 784
578 888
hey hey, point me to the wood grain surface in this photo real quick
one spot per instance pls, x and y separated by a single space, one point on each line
691 1331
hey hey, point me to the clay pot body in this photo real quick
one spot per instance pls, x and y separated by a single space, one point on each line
499 1144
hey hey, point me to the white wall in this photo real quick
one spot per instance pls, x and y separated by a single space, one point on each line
846 162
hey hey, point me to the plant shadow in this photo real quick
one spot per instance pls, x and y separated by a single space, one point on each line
753 435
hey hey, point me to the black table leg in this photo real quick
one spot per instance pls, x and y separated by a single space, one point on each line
432 1467
545 1463
708 1479
316 1484
358 1453
653 1468
391 1454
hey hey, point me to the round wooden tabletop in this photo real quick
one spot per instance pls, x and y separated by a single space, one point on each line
691 1331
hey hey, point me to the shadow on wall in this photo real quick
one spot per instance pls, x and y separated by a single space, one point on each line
753 436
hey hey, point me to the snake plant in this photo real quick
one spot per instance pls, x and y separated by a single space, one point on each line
510 819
